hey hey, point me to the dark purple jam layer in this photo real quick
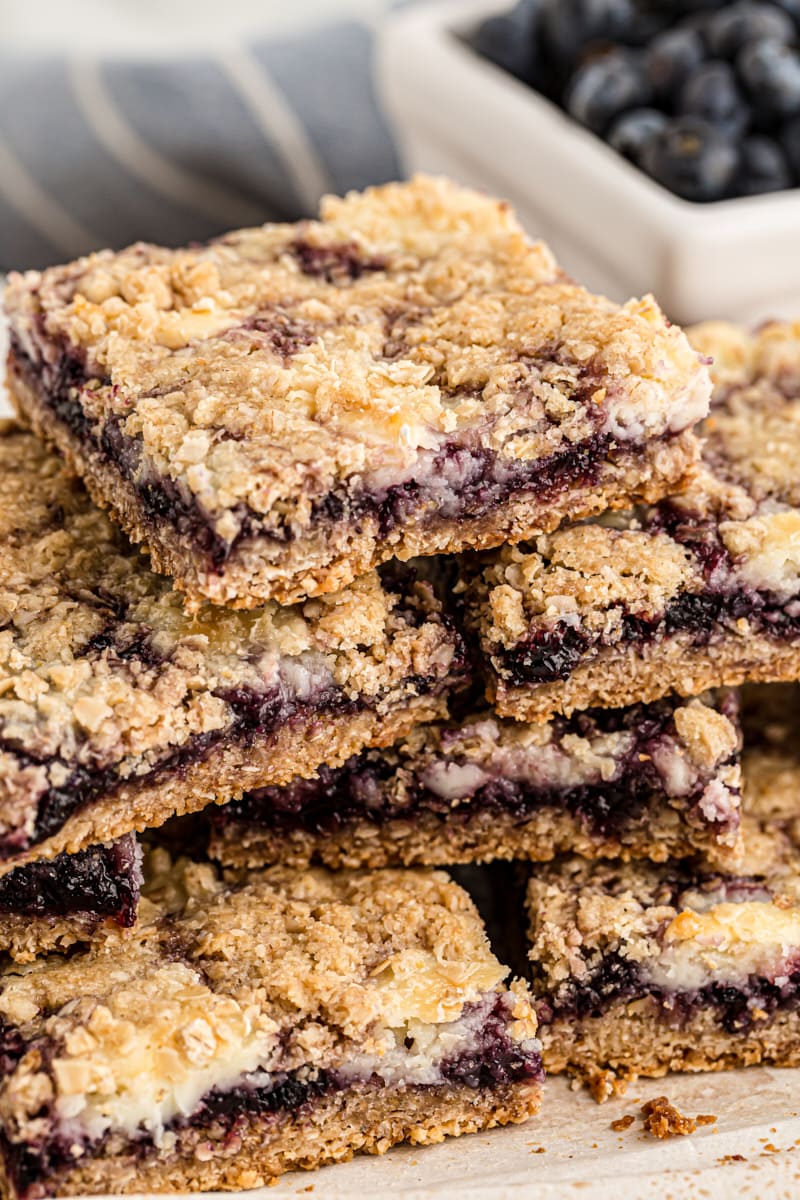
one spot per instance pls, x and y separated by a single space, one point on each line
339 263
467 481
546 655
101 881
618 981
492 1061
366 787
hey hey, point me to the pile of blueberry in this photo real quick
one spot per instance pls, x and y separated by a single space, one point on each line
703 96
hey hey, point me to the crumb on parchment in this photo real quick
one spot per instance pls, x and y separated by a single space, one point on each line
663 1120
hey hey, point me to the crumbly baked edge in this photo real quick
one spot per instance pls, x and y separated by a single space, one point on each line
430 840
651 472
615 681
24 938
358 1120
630 1040
231 769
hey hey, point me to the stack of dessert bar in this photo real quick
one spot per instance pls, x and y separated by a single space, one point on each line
437 575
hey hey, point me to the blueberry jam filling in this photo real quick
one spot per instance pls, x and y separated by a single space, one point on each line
285 334
381 787
255 715
467 483
283 1093
461 481
493 1059
618 980
550 654
101 881
340 263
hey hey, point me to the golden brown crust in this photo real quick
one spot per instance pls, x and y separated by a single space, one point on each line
361 1120
432 841
632 1040
280 366
25 938
769 355
611 680
681 924
350 951
330 558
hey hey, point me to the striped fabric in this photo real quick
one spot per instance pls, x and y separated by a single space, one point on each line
104 152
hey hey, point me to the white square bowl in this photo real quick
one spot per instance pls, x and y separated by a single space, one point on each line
610 226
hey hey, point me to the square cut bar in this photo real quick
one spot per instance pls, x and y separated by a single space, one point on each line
698 591
280 410
255 1024
639 969
54 904
656 781
118 709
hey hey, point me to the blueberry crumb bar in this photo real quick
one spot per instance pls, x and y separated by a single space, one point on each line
697 591
257 1023
284 408
53 904
643 968
656 781
119 709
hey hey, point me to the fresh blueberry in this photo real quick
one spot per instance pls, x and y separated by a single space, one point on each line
790 140
770 70
631 132
729 30
763 167
692 158
670 58
568 26
605 87
712 92
510 41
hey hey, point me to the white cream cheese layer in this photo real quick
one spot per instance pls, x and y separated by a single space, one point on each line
144 1046
726 944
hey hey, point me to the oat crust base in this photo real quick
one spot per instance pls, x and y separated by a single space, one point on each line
24 938
614 680
332 558
359 1120
429 840
631 1040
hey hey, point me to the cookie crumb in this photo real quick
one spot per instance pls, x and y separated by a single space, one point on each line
622 1123
663 1120
706 1118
